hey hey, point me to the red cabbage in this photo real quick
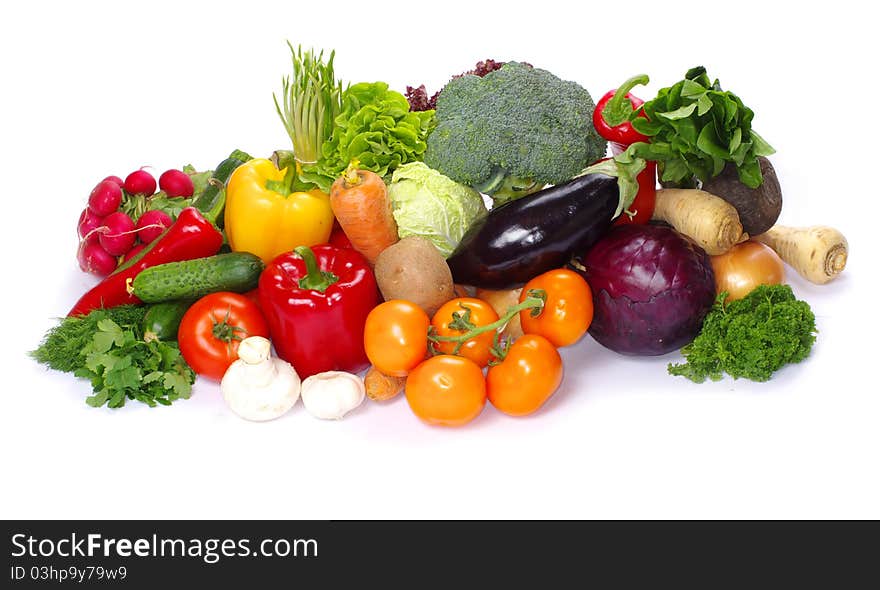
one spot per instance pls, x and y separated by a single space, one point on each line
651 286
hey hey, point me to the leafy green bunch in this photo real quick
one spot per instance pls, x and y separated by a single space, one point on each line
376 128
107 348
123 366
752 337
696 128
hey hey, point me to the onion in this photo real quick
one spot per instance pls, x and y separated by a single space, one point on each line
651 286
745 266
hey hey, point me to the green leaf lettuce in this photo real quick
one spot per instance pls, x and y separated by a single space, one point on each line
376 128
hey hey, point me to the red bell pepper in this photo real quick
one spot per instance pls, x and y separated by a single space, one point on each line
611 118
190 236
316 301
338 237
642 208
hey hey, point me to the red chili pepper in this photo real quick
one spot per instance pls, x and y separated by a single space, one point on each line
190 236
642 208
316 301
612 113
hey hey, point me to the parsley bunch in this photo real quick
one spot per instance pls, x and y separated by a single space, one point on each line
107 348
752 337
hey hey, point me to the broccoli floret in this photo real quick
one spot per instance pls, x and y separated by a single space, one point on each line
512 131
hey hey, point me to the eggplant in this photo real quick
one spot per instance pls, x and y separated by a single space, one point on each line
521 239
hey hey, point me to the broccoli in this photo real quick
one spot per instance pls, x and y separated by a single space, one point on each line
513 131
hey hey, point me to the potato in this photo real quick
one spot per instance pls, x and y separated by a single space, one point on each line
501 301
413 269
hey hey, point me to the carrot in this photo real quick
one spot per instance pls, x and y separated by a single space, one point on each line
381 387
817 253
360 202
710 221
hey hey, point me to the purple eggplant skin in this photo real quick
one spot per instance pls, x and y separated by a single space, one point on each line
652 288
521 239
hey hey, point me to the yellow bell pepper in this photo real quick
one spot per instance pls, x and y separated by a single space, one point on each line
263 216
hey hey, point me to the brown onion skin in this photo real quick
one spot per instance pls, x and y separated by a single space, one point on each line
746 266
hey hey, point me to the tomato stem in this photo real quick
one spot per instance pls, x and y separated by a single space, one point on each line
226 332
534 302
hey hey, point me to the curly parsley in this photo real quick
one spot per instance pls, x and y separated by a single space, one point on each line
752 337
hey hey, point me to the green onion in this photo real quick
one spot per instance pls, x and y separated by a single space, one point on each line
310 101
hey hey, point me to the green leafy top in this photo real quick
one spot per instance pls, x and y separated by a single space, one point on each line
376 128
135 205
310 101
751 337
695 129
107 348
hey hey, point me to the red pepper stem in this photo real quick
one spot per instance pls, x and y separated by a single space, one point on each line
614 113
533 302
315 279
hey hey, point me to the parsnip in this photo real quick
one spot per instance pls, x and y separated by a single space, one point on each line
818 253
710 221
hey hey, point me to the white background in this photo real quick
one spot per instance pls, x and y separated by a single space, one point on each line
91 89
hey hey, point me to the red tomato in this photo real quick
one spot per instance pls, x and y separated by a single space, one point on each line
212 328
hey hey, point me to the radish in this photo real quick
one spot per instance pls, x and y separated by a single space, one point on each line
151 224
176 183
140 182
120 234
96 260
105 198
88 223
133 252
115 179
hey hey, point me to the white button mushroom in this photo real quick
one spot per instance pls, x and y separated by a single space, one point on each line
258 386
332 394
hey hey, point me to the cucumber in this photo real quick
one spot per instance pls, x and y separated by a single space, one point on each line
191 279
212 200
162 320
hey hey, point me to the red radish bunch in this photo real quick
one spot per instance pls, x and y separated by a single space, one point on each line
108 235
176 183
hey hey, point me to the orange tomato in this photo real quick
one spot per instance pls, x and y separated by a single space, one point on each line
395 336
744 267
446 390
477 312
568 311
526 378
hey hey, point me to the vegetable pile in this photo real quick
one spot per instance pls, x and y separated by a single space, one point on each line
445 247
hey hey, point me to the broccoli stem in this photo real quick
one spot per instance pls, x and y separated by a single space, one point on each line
491 184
